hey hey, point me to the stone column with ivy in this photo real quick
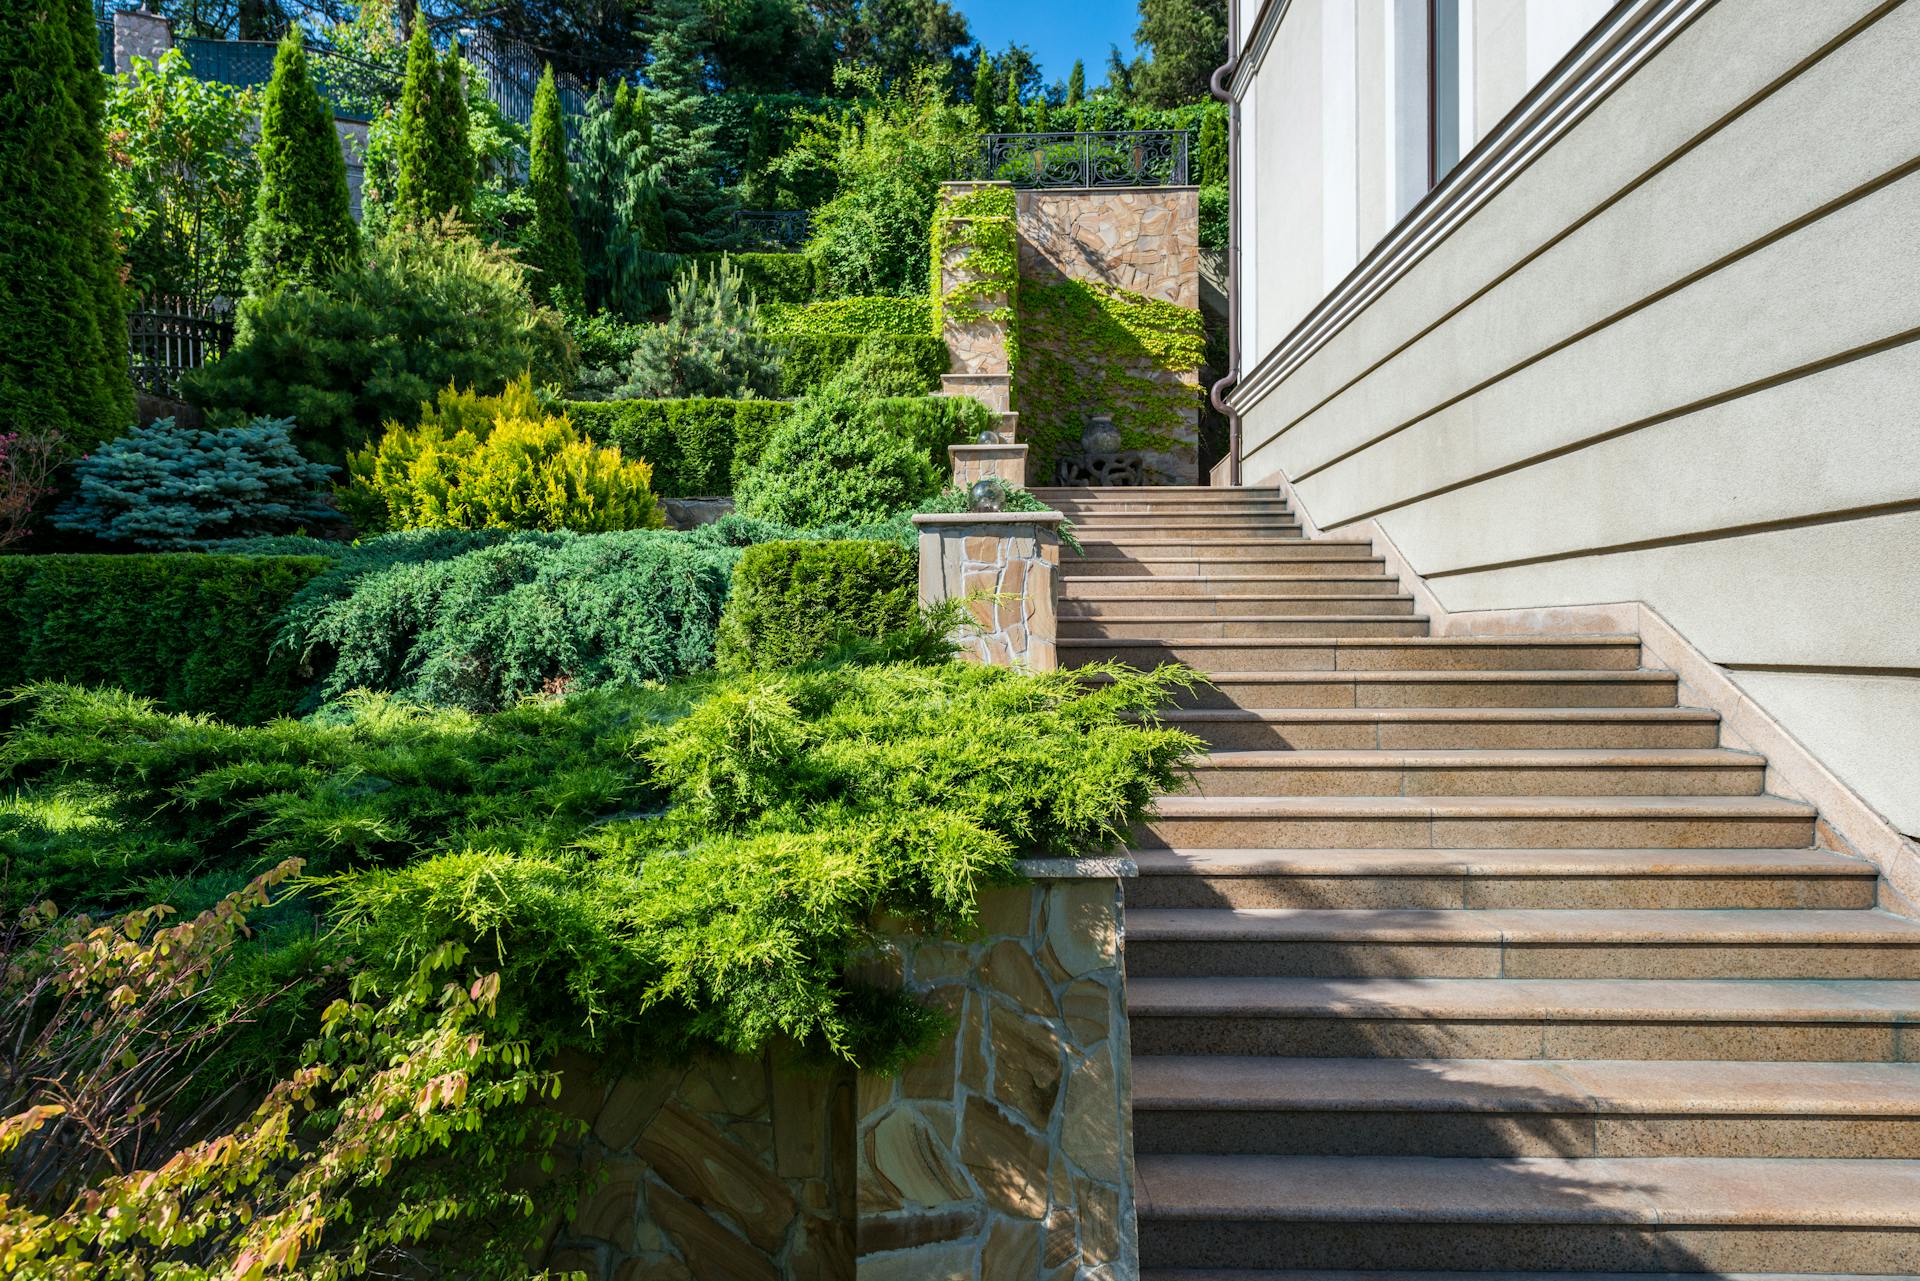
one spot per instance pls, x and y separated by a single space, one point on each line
976 289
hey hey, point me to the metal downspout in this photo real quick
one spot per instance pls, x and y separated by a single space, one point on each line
1221 85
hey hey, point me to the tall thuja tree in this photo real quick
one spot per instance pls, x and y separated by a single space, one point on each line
1077 83
684 150
303 229
1210 155
616 205
552 250
983 104
435 174
63 322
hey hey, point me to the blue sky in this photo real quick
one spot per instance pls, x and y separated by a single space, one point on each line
1058 31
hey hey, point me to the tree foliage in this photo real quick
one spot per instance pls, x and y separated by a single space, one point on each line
617 201
63 319
434 176
683 147
553 249
1187 41
303 229
710 345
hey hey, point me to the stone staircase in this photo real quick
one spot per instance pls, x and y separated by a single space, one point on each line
1477 955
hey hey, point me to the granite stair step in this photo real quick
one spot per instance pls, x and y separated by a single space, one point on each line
1263 627
1403 653
1424 728
1147 512
1740 1020
1488 943
1574 822
1261 691
1285 586
1501 878
1705 1214
1237 554
1626 772
1187 565
1503 1107
1175 608
1408 1274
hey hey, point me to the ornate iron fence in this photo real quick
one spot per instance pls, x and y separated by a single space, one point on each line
168 336
772 228
511 71
1119 158
105 26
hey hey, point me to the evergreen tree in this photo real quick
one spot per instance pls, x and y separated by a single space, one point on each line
1210 157
552 250
756 184
1077 83
616 207
983 105
1119 75
303 229
1011 111
435 176
1187 40
63 321
684 150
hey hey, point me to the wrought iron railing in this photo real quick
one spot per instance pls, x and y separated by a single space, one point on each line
1119 158
511 71
168 336
772 228
352 86
105 26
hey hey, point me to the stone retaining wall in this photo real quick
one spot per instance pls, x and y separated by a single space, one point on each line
1004 568
1145 240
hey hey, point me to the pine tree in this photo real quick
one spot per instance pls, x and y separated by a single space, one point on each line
552 249
983 105
1077 83
63 322
1210 157
303 229
685 151
436 168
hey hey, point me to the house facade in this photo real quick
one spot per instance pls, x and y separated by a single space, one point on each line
1571 303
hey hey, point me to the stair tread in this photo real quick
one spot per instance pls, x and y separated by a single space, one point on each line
1242 619
1498 862
1301 1274
1478 758
1285 715
1707 926
1610 1000
1540 675
1668 1191
1482 806
1594 1086
1412 642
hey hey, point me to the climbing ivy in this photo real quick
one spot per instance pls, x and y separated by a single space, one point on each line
981 222
1094 349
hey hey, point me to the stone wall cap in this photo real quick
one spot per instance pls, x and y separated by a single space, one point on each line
1107 868
997 447
952 519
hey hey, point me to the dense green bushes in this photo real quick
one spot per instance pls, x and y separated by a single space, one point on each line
792 601
709 345
830 462
773 278
904 316
810 361
193 632
697 447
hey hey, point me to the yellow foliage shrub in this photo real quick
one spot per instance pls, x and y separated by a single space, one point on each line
495 462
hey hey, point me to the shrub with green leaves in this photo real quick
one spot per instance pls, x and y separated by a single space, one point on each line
430 307
496 462
696 447
908 317
175 487
830 463
811 361
710 346
793 601
194 632
435 175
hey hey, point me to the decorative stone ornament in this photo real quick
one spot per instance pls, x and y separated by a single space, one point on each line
988 494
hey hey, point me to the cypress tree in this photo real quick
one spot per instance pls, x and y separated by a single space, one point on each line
983 106
1210 157
436 168
303 229
1011 118
616 207
63 321
1077 83
684 150
552 250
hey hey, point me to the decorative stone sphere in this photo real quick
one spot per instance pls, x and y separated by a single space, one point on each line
1100 437
987 436
988 495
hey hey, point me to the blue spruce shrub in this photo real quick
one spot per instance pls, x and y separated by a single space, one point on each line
179 488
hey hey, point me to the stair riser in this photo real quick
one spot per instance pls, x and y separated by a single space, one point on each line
1152 530
1298 561
1337 1036
1269 509
1439 657
1214 589
1077 609
1155 958
1443 893
1408 781
1319 1132
1436 735
1260 832
1311 627
1478 1246
1225 693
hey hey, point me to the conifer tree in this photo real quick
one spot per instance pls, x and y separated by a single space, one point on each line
552 249
63 320
1011 112
1077 83
616 206
684 150
983 105
435 175
1210 156
303 229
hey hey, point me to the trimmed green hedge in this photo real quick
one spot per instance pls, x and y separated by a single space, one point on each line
808 361
696 446
792 600
193 631
774 278
908 317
